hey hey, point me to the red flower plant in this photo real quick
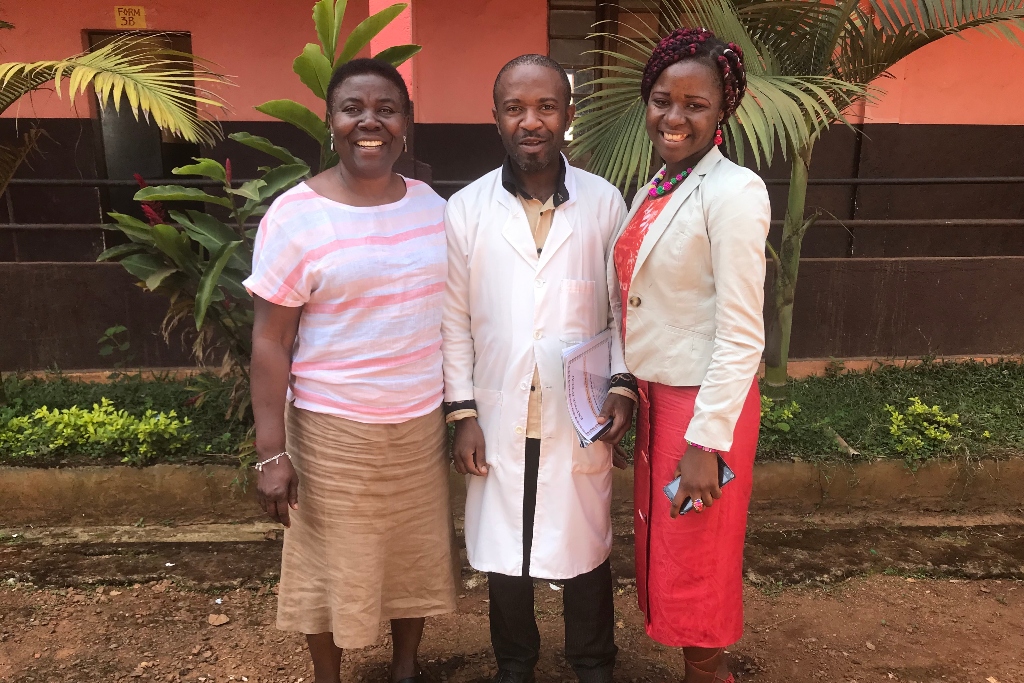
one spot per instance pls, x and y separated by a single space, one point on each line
154 211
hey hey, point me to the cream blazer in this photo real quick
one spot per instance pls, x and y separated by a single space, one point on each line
694 315
506 311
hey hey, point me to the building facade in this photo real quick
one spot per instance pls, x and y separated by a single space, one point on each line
953 109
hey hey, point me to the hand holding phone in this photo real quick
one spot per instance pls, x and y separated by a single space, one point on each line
725 475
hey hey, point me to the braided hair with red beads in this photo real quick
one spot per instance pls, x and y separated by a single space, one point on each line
726 59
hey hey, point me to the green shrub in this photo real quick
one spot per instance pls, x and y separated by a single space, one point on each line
779 418
100 431
921 430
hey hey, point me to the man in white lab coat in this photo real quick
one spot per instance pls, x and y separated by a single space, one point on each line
527 247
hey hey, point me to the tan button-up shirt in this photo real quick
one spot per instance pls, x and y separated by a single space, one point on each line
539 216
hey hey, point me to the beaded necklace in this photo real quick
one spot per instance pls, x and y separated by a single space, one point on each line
660 188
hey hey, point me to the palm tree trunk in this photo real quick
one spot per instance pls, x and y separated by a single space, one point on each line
787 265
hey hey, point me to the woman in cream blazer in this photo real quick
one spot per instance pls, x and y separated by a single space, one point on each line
690 267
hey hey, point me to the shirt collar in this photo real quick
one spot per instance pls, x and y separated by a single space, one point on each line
508 181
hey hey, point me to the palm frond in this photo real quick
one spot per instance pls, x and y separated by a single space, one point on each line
156 83
12 156
780 110
943 17
880 35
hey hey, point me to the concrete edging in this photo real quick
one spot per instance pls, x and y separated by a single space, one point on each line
175 494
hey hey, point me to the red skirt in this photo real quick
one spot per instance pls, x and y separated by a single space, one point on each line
689 570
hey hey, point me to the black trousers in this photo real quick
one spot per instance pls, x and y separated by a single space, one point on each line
586 603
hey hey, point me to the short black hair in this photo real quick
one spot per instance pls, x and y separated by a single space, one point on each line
535 60
363 66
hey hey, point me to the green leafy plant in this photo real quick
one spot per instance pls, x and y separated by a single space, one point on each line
116 338
99 431
317 62
920 430
204 399
198 260
778 417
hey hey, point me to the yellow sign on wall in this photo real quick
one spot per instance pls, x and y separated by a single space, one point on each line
129 17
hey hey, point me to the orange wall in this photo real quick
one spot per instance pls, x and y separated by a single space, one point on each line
973 80
465 42
254 43
398 32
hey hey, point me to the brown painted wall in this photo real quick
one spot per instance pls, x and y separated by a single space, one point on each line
909 307
53 313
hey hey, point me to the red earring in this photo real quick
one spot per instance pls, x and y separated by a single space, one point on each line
718 135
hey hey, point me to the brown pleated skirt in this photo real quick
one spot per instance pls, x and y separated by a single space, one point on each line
372 538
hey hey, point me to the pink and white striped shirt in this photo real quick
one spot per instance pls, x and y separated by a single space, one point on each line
371 283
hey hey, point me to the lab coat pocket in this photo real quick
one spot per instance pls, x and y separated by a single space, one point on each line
579 318
597 457
488 409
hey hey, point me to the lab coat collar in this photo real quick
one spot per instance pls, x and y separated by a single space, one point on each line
511 184
517 232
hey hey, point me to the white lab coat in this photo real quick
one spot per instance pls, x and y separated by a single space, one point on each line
507 311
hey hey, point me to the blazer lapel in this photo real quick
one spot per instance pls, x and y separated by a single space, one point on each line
679 195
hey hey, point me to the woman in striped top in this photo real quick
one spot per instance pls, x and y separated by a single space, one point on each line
348 277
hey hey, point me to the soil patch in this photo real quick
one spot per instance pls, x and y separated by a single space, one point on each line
854 602
877 628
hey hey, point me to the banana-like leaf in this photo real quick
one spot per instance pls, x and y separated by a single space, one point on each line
204 167
208 282
398 54
250 189
159 84
175 245
120 251
281 178
143 266
313 69
366 30
157 278
177 193
212 234
267 147
299 116
136 230
327 27
231 280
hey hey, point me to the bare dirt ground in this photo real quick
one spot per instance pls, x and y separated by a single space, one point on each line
914 599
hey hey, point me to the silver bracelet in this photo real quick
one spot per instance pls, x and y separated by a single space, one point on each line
259 465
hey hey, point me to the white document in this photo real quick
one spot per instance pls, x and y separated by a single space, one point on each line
587 370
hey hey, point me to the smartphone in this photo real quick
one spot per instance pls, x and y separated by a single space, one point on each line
725 475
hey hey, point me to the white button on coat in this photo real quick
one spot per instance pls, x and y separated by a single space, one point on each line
507 311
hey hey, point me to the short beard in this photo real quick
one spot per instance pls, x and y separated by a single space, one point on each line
529 163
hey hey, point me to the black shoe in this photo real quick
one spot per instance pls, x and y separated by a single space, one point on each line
506 676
